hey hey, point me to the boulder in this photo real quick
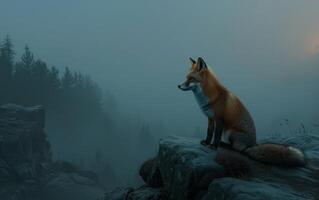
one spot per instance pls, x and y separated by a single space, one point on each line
118 194
71 186
141 193
150 173
186 167
145 193
238 189
27 171
189 170
24 150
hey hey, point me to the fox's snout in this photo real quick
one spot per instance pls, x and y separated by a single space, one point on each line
185 86
182 86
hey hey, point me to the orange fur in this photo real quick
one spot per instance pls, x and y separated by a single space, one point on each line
226 105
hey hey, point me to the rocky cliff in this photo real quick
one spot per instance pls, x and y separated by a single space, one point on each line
184 169
27 171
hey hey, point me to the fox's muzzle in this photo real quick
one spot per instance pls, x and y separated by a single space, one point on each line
185 86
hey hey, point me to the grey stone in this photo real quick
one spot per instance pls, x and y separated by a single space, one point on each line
71 186
27 171
118 194
189 170
145 193
24 149
186 167
237 189
150 173
141 193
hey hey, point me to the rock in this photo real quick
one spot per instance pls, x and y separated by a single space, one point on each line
22 117
237 189
145 193
234 163
27 171
71 186
186 167
88 174
150 173
5 173
141 193
24 150
189 170
118 194
63 166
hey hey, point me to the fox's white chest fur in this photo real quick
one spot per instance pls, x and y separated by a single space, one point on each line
202 100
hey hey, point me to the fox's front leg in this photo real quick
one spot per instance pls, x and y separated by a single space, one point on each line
218 131
210 132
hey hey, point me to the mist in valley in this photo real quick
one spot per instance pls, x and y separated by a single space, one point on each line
126 58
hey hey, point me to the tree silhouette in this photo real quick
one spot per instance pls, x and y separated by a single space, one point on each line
23 79
72 99
27 59
7 56
6 67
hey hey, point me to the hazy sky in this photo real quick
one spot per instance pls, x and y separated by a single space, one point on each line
261 50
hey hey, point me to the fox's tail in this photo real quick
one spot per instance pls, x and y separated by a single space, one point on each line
277 154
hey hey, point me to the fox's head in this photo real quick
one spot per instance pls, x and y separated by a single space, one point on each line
196 75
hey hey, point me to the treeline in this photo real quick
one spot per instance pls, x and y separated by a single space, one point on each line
81 122
71 97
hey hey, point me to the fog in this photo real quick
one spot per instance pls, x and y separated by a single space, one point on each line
266 52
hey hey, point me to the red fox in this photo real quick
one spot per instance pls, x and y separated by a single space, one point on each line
228 117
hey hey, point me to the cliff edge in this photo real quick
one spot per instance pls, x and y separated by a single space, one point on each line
27 171
183 169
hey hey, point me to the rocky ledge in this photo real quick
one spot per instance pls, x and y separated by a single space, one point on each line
27 171
184 169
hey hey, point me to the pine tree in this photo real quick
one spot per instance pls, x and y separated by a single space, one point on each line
23 78
6 67
6 56
67 79
39 82
27 59
53 90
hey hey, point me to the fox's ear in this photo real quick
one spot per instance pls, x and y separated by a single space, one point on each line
201 64
192 60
